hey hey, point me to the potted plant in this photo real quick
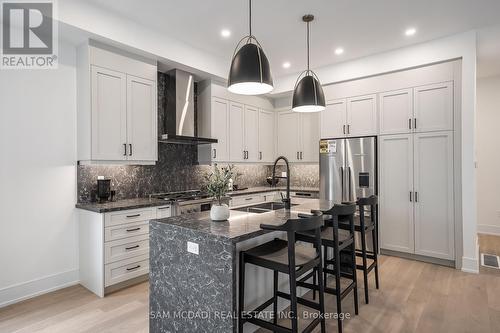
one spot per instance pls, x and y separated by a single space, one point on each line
217 185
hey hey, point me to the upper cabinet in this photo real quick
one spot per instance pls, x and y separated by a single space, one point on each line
422 109
362 115
266 136
251 129
433 107
298 136
117 108
334 119
237 152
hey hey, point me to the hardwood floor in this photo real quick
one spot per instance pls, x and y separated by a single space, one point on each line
414 297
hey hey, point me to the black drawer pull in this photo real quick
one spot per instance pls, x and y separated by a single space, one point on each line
162 208
135 229
132 268
302 194
136 215
248 199
132 247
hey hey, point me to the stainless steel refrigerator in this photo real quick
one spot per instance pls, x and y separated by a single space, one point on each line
348 168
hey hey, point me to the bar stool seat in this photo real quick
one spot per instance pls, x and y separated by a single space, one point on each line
274 255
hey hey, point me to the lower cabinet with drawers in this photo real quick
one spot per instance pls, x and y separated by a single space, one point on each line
114 247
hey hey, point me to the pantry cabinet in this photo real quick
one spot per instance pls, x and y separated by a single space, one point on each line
416 194
396 111
117 107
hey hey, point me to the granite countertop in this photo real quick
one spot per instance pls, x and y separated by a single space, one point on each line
122 205
241 225
261 189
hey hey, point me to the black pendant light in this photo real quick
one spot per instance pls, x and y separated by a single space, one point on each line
308 94
250 73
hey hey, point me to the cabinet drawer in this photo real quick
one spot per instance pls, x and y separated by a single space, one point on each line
125 269
129 216
126 230
164 211
247 200
126 248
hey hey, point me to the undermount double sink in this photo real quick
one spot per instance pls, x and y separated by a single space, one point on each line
262 208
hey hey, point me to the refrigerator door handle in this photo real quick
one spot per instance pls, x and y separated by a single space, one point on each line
342 183
349 180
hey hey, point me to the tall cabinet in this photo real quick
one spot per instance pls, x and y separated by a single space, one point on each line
416 171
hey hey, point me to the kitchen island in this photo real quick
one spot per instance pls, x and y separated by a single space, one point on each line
193 267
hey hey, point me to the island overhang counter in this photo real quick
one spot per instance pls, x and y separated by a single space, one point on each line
193 267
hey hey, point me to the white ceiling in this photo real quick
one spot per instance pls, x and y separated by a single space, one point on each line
361 27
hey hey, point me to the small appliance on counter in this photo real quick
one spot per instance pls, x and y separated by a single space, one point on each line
104 192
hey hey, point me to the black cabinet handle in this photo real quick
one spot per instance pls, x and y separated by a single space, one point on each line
130 152
416 196
415 123
409 123
348 129
162 208
132 268
298 156
248 199
136 215
301 156
215 153
260 155
410 197
132 247
343 129
124 149
135 229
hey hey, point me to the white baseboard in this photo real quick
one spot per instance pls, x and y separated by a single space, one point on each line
21 291
488 229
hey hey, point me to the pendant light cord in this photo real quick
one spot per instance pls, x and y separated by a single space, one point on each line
308 47
250 16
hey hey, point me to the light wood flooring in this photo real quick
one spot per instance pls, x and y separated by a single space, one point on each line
414 297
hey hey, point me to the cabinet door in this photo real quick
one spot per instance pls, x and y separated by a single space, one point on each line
309 137
288 135
434 228
333 119
266 136
251 128
220 128
236 132
396 184
362 115
396 111
109 115
434 107
141 119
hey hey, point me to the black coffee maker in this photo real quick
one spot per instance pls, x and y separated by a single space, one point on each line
104 192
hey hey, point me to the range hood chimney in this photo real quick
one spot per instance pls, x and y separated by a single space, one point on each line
180 122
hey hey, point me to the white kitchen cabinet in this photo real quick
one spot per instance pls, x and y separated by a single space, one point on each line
288 135
396 112
433 107
362 115
117 107
266 136
141 121
251 130
333 119
236 132
434 227
109 114
396 186
309 137
219 121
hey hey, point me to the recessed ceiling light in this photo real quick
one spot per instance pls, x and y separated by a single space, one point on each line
410 31
286 64
339 51
225 33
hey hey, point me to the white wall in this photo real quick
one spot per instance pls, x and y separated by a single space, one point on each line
38 231
488 157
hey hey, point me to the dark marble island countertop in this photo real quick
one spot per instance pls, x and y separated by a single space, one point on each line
263 189
124 204
241 225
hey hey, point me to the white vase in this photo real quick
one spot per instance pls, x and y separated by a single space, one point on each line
219 212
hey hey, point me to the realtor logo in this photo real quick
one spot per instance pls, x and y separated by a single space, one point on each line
29 35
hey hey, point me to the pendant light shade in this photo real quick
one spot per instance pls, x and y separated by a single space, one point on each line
250 73
308 94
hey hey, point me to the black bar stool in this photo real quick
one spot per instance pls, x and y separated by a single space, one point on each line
363 225
288 258
339 240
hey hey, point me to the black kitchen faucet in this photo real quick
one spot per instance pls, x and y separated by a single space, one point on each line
286 200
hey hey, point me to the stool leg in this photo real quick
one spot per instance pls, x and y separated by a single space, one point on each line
375 255
321 297
365 269
336 257
314 283
241 295
355 278
293 300
275 302
325 264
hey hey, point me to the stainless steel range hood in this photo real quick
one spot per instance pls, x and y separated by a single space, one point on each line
180 118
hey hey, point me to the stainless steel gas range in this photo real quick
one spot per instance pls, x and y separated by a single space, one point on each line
185 202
